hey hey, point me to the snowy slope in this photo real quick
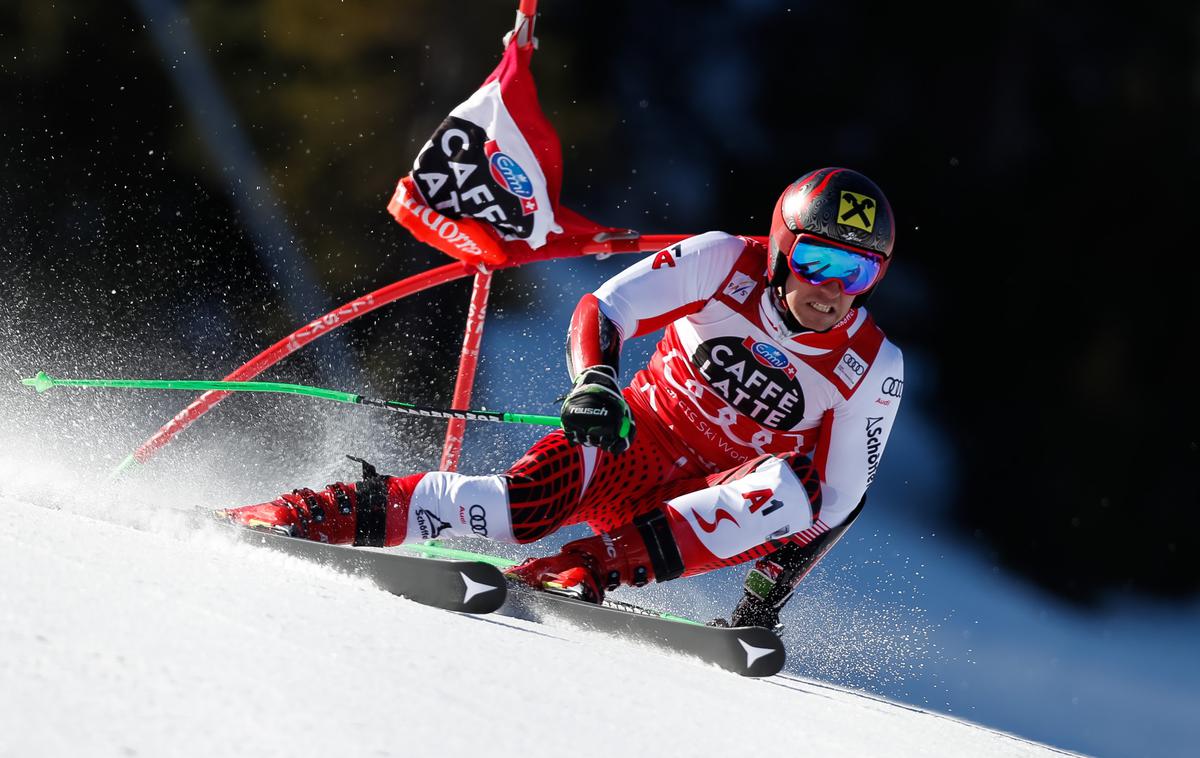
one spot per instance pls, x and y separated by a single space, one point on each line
130 638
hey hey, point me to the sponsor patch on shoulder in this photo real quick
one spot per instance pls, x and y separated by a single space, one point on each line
739 287
851 368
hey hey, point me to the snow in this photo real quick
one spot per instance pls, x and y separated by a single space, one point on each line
120 634
130 636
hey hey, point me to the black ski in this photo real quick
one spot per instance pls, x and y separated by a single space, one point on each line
745 650
456 581
456 585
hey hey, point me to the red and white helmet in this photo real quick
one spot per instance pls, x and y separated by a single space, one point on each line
836 204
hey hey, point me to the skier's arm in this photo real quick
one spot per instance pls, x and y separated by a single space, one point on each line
769 585
593 339
641 299
672 283
858 432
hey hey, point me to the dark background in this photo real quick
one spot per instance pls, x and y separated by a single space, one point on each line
1039 159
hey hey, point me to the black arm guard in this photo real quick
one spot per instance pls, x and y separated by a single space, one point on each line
758 608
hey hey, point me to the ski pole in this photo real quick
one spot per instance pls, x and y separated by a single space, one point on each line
44 381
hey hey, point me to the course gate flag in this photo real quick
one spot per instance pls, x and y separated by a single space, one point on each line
486 185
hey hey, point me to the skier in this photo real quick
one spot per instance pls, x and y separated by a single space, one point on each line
752 434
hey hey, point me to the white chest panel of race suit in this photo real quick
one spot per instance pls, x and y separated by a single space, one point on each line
731 382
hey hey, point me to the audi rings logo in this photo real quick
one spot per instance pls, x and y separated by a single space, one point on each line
893 387
478 520
851 362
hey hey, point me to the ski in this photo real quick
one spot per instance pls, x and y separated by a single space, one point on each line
459 580
468 586
749 650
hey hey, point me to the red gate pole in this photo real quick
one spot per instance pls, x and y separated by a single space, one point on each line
468 360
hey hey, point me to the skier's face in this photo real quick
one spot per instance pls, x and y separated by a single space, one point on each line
816 306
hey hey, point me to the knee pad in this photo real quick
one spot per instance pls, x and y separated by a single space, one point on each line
764 502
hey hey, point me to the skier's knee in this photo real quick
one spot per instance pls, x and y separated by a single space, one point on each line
806 473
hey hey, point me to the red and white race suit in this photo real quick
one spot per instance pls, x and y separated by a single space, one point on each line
750 441
731 408
730 382
748 437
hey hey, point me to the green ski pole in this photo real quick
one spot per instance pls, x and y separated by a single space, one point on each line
44 381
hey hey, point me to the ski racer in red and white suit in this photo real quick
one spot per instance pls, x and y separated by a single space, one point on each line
752 434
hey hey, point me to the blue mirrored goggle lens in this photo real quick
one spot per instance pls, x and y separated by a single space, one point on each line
818 264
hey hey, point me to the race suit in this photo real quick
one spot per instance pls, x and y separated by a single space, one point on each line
752 441
728 394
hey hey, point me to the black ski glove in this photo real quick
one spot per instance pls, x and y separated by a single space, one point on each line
594 412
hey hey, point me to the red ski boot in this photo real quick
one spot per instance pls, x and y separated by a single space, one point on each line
633 554
304 513
373 512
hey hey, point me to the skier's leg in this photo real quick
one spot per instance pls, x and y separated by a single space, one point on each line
556 483
552 485
545 486
745 513
699 525
539 494
388 510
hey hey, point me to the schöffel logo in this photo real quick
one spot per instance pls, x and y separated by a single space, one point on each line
769 355
430 525
874 447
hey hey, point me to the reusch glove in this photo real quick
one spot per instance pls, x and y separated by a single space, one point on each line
594 412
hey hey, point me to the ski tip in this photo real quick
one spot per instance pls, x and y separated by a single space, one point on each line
41 382
764 651
485 588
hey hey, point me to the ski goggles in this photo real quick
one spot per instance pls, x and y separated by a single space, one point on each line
817 261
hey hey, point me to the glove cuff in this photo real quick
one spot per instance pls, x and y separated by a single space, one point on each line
601 374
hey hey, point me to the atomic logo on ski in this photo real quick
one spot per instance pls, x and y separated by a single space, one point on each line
753 653
474 588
